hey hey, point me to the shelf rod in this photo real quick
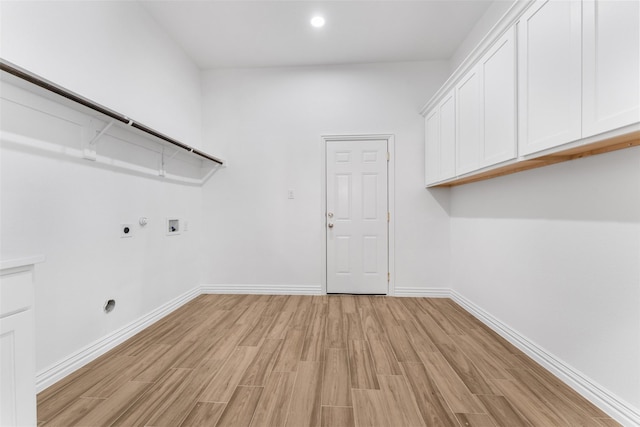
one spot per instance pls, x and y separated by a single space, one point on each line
27 76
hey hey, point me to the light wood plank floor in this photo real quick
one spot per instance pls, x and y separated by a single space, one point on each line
247 360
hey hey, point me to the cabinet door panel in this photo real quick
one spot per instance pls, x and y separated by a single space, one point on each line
611 40
432 146
448 137
468 123
17 369
550 68
499 101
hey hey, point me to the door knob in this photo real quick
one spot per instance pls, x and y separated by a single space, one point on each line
330 225
330 214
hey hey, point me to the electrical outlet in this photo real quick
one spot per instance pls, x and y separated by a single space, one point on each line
126 230
291 194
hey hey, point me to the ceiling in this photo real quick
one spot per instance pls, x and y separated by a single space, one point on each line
226 34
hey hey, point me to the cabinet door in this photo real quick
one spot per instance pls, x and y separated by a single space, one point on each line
17 369
498 71
611 65
549 71
448 137
432 146
468 122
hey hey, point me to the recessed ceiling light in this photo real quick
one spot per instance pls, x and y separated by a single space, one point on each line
317 21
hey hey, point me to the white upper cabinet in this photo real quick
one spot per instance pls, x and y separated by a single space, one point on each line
549 74
468 122
440 141
498 71
432 146
611 65
448 137
486 108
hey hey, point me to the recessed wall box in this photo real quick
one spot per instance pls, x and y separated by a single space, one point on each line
173 226
109 306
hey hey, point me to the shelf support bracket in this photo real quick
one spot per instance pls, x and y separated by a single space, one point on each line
161 170
89 148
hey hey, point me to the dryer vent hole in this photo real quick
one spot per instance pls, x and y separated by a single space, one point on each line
109 306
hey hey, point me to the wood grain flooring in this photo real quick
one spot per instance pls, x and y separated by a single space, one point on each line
337 360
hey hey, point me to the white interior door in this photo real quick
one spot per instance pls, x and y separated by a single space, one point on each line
357 217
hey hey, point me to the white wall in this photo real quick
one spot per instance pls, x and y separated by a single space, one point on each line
111 52
495 11
555 254
268 123
69 209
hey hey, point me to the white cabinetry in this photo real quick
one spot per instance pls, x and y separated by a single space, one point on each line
553 80
440 141
17 345
611 65
486 113
432 146
498 72
550 69
468 117
448 137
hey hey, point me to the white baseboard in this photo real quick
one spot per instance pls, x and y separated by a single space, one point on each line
618 409
417 291
74 361
263 289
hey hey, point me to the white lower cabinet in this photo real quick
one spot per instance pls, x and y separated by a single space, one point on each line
17 346
17 369
611 65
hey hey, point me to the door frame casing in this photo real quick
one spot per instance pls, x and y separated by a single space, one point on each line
390 138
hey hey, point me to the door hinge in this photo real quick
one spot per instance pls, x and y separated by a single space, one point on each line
388 156
388 277
388 216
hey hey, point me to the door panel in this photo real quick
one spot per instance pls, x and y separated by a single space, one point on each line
343 196
468 123
611 68
432 147
357 225
498 70
549 75
448 137
370 196
342 255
